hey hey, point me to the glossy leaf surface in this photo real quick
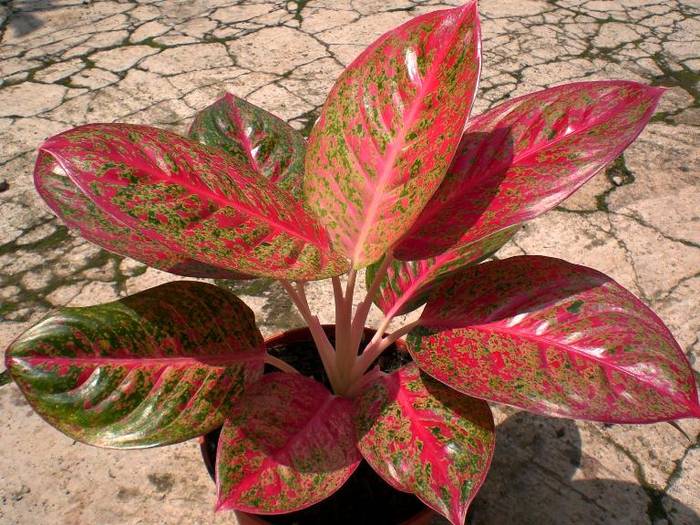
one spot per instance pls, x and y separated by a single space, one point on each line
198 202
159 367
407 284
267 144
80 213
554 338
389 128
287 444
524 157
425 438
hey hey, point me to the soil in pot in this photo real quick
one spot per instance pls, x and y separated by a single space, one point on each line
365 499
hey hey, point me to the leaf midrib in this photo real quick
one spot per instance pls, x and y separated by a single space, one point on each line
199 190
150 361
498 328
395 147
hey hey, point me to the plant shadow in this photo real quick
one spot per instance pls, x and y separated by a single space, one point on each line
22 17
533 481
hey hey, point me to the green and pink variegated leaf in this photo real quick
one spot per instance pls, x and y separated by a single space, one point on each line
81 214
425 438
553 338
524 157
389 128
287 444
267 144
159 367
198 202
407 284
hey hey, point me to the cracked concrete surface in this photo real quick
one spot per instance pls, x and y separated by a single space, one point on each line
65 62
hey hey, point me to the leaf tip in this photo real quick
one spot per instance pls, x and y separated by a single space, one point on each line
221 505
695 410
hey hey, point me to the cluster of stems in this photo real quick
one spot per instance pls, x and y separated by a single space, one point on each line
345 365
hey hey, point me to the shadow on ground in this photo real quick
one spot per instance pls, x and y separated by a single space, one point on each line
532 482
23 17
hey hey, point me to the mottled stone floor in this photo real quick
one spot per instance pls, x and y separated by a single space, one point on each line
66 62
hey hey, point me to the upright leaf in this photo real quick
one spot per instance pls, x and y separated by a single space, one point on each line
553 338
425 438
524 157
159 367
288 443
267 144
389 128
198 202
407 284
80 213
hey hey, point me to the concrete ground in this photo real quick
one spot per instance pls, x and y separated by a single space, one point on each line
67 62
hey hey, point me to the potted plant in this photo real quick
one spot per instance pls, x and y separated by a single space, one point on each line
395 179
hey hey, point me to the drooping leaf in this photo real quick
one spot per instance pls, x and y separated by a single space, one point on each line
408 284
553 338
524 157
199 202
267 144
78 212
389 128
287 444
159 367
425 438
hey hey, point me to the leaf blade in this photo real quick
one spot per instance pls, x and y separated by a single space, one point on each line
407 421
554 338
148 370
389 128
287 444
81 214
269 145
524 157
194 200
407 284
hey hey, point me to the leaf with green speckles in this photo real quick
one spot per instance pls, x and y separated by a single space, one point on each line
389 129
524 157
553 338
267 144
425 438
191 201
407 284
159 367
287 444
80 213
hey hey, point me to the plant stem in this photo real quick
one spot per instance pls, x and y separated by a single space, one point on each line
337 291
280 364
345 355
375 348
324 346
358 323
363 380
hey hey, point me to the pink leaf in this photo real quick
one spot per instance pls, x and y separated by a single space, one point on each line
288 443
197 202
80 213
524 157
425 438
407 284
554 338
389 129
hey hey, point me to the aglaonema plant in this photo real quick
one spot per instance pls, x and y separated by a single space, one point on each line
396 179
